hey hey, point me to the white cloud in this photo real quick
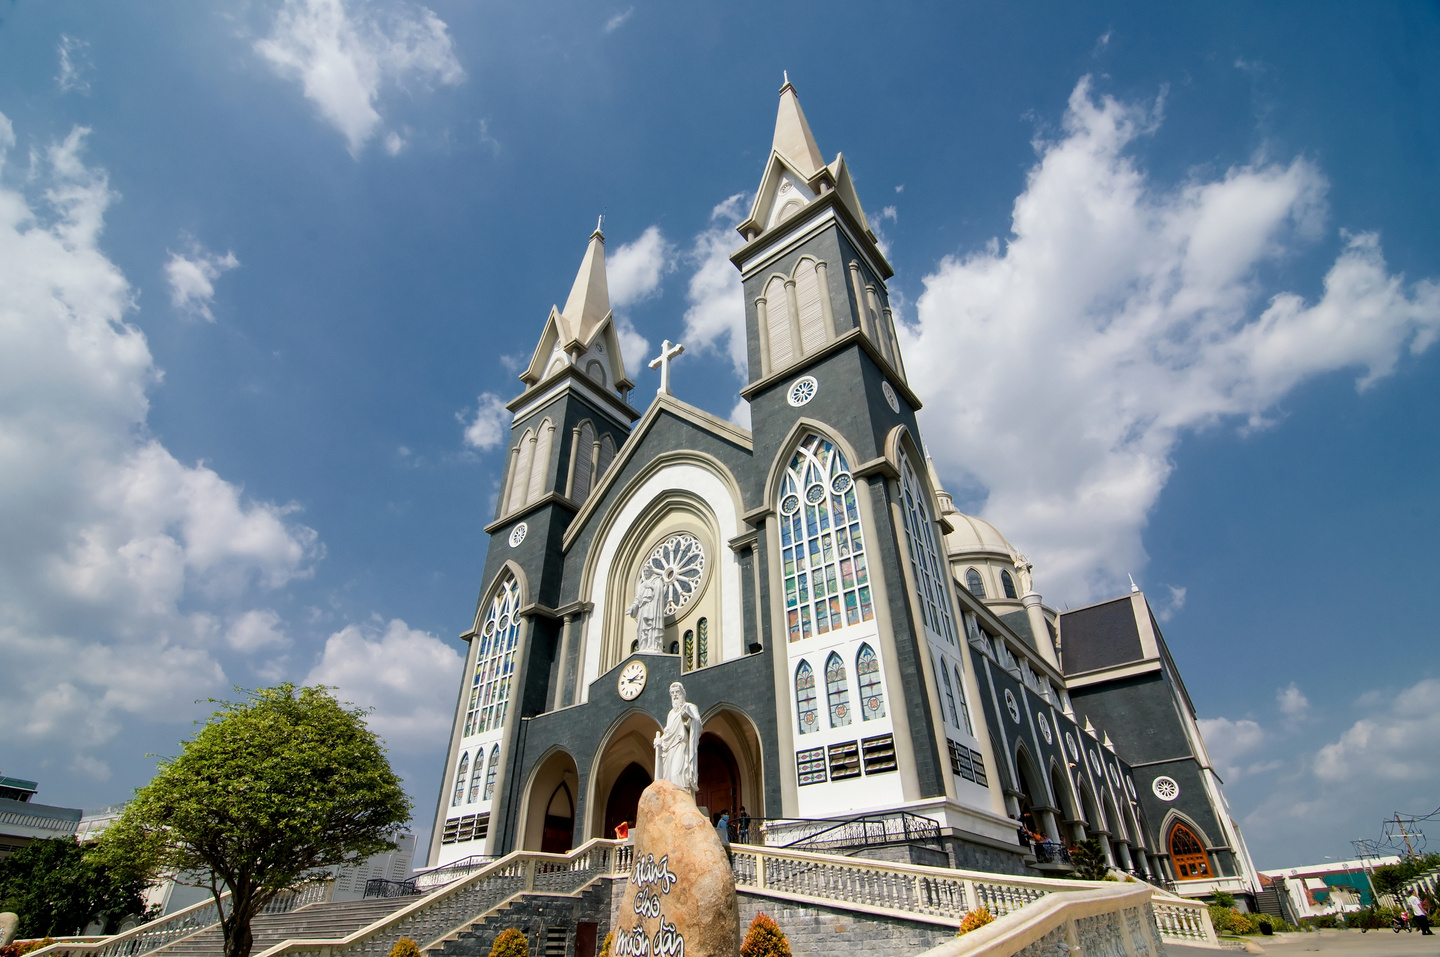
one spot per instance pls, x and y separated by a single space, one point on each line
487 427
344 51
396 672
1230 741
740 415
615 22
394 143
255 630
74 57
1292 701
634 348
112 552
1169 607
1061 368
1393 745
633 272
192 279
715 319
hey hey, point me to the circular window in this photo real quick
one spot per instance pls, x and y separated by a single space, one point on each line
802 391
790 504
1012 706
1044 727
1095 763
680 562
890 398
815 494
1165 788
840 710
1071 747
518 533
841 483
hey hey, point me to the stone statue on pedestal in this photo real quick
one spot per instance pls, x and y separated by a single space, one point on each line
677 748
648 610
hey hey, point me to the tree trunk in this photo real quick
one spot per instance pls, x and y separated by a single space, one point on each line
238 938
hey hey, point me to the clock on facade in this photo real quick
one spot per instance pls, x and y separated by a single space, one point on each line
632 680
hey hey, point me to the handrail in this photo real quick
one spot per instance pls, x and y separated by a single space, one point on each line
1057 915
144 938
912 827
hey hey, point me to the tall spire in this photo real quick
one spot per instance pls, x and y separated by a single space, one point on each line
793 139
589 301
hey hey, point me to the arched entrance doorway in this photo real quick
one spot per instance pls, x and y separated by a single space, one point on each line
1027 782
620 771
718 787
625 797
549 821
1188 855
1066 800
1092 813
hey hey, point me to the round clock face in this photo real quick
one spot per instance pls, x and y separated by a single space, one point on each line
632 680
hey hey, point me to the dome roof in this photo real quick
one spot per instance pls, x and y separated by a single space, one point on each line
973 534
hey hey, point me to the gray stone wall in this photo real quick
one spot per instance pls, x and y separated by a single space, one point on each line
815 931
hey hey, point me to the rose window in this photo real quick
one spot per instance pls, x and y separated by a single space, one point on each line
680 563
1165 788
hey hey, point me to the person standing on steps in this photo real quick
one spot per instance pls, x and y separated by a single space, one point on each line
742 825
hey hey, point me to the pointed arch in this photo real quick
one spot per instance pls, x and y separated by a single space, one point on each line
1187 854
974 582
520 472
460 778
490 772
540 461
809 314
475 773
1064 792
1007 583
964 705
604 457
807 714
872 691
824 565
582 461
927 562
498 635
837 691
777 324
949 692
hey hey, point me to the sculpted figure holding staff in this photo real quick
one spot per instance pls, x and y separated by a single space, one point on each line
677 748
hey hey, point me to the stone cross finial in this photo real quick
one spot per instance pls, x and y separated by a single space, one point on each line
668 351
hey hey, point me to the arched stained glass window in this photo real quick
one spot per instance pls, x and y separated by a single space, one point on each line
702 643
964 706
687 662
1008 584
490 772
974 583
460 779
494 661
1188 855
837 691
926 565
827 580
872 693
808 716
475 773
949 691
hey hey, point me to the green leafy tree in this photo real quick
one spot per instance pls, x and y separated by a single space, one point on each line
765 938
269 793
510 943
58 887
1088 857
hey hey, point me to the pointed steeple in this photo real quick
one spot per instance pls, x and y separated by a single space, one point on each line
793 139
589 301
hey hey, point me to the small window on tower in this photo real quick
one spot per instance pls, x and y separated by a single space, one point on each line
1008 584
973 582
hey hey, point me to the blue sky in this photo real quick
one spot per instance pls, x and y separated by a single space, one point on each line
1167 273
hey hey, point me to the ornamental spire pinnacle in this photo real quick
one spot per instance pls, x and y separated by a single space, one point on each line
589 300
793 139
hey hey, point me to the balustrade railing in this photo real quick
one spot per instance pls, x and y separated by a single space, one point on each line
378 887
1183 921
190 920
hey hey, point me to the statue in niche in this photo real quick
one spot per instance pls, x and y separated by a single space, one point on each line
677 748
648 610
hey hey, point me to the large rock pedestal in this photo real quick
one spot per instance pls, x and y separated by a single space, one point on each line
680 901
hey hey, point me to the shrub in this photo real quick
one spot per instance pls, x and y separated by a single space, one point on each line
1089 860
22 947
1225 899
765 939
510 943
405 947
606 944
975 919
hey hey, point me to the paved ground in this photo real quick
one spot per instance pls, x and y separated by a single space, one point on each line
1341 943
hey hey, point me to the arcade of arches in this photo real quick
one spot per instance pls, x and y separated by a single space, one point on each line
730 776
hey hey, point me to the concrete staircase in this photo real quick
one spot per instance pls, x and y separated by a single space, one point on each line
315 920
552 920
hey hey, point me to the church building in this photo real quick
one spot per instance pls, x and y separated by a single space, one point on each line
856 645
